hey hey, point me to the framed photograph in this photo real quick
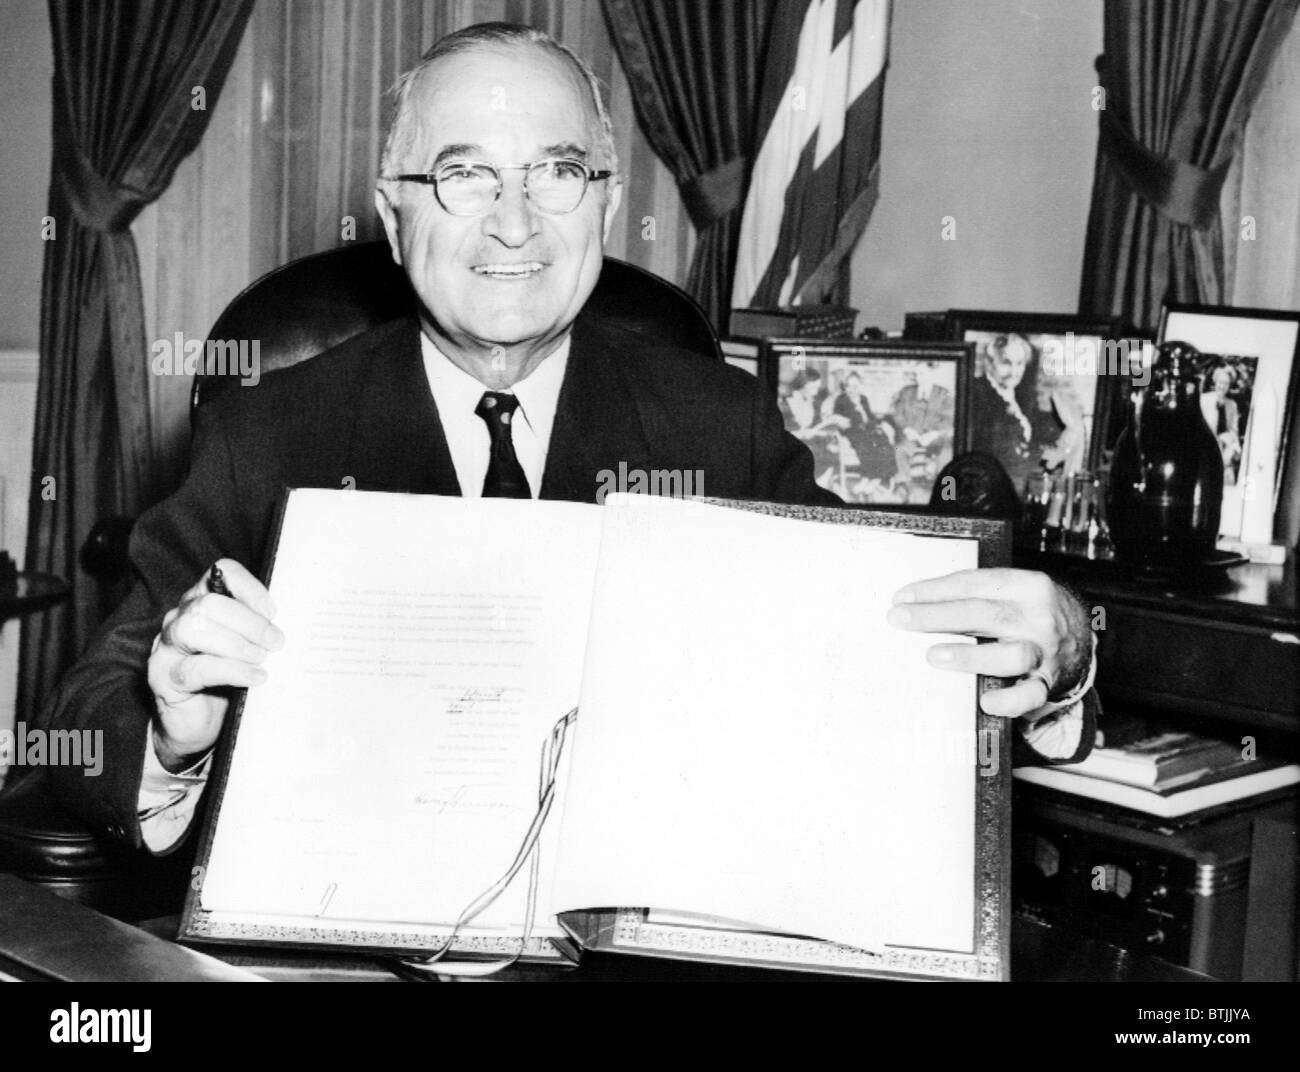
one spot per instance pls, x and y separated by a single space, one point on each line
881 417
1044 389
1248 398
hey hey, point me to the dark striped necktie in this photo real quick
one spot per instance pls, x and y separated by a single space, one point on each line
505 476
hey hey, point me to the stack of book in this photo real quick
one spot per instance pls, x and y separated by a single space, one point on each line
794 321
1167 775
750 327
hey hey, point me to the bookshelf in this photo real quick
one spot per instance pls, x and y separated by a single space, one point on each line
1216 653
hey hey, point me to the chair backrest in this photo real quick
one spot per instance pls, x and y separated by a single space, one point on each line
309 305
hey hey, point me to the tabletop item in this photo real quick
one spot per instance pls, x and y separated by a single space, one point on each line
47 937
8 574
1166 478
30 592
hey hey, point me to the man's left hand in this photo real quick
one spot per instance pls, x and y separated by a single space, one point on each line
1035 623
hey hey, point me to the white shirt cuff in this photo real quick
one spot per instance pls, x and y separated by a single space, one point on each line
1056 736
1055 729
167 801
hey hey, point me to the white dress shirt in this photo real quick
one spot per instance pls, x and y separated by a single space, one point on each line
457 394
167 801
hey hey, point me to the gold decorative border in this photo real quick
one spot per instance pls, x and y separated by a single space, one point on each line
632 933
211 927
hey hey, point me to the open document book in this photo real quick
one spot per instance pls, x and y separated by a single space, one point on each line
761 769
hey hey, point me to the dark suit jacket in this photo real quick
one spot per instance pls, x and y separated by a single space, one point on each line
364 411
933 413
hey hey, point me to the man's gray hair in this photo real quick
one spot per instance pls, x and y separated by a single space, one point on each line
402 131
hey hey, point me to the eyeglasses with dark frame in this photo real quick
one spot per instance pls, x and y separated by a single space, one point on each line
555 185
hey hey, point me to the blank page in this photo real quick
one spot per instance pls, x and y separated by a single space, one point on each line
756 743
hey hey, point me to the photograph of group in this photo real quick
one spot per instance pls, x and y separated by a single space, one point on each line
1036 392
881 418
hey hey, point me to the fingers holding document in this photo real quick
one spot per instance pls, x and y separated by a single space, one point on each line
216 637
1040 631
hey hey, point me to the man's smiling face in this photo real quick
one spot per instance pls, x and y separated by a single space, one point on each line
502 288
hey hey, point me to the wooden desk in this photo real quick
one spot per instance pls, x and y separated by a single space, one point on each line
44 937
1220 644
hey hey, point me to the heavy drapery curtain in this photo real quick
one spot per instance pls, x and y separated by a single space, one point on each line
134 84
1263 189
1179 80
696 76
1261 228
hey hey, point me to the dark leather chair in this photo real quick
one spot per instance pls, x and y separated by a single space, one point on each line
295 312
45 845
311 304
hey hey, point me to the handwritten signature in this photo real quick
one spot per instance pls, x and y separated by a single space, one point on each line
451 799
475 697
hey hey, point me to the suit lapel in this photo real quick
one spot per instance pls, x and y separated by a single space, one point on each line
397 439
398 443
597 424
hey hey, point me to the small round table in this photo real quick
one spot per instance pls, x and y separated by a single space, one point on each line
35 591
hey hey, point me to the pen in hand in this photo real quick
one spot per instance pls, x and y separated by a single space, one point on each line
217 582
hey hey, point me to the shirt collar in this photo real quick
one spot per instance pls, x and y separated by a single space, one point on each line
538 392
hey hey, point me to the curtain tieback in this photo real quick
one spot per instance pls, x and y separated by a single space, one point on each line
96 202
1183 192
710 196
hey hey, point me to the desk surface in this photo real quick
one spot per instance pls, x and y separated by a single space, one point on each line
43 936
1250 593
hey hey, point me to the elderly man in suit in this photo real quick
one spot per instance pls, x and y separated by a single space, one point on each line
923 413
498 187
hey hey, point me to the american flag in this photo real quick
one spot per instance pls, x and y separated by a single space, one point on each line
814 180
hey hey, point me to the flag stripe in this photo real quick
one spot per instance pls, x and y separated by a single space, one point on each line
784 125
835 186
819 147
870 45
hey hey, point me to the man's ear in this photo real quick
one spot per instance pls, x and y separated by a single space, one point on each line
388 214
612 201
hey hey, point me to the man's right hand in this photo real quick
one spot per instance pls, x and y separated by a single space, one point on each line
207 642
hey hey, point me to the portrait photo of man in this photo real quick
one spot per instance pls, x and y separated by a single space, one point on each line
1225 405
